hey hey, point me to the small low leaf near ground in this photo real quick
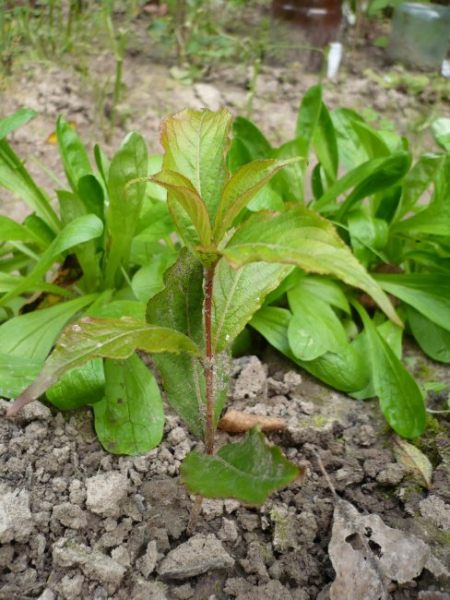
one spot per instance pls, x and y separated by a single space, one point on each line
247 471
130 417
414 461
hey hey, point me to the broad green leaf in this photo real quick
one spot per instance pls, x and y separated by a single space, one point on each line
414 461
314 328
367 232
248 471
107 338
17 373
125 201
433 220
78 387
182 192
434 340
179 306
392 171
241 188
426 292
327 290
74 157
19 118
149 280
325 144
366 179
240 154
289 182
155 224
77 232
309 114
91 194
266 198
347 371
196 143
441 133
303 238
40 228
371 139
351 149
33 334
130 417
15 178
400 397
71 208
11 231
250 141
418 180
237 295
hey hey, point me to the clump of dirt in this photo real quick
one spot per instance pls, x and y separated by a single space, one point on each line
76 522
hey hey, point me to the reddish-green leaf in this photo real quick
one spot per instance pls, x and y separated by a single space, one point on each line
196 143
248 471
108 338
301 237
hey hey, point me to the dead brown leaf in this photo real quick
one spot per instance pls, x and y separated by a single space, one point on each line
236 421
414 461
368 556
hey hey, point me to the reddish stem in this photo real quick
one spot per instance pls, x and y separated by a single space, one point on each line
209 360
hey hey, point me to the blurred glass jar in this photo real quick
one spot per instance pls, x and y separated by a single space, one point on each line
419 35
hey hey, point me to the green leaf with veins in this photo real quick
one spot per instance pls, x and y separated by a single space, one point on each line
180 307
130 417
32 335
17 373
107 338
182 194
196 143
301 237
238 294
241 188
247 471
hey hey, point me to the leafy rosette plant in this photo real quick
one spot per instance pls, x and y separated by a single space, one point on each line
394 215
231 261
102 252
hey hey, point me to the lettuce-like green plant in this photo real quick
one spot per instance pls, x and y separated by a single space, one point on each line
403 237
231 261
112 244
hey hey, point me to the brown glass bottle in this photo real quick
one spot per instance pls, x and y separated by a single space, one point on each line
320 20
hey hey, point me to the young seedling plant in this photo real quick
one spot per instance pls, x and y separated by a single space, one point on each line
229 263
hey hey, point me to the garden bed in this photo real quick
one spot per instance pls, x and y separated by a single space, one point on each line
78 522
